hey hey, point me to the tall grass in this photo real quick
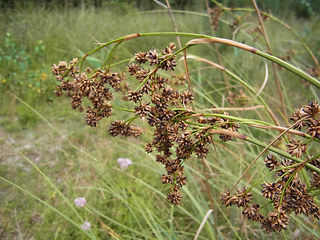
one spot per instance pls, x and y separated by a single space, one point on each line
49 157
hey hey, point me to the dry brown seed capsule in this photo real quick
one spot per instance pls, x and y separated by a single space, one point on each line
279 220
167 179
148 148
143 110
271 162
201 151
175 197
314 129
92 117
182 181
315 162
186 97
315 183
141 57
244 197
162 159
118 128
133 68
58 93
296 148
296 116
135 96
270 190
226 199
312 109
252 213
134 131
168 64
152 57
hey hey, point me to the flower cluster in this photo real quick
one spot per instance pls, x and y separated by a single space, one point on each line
86 226
166 109
163 102
288 194
311 115
124 162
179 132
95 86
80 202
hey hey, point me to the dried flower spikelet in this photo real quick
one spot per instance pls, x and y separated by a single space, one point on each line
123 128
296 116
276 221
59 69
186 97
152 57
135 96
227 199
311 113
271 162
243 197
167 60
252 213
133 68
296 148
312 109
169 49
141 57
228 125
175 197
167 179
315 182
271 190
285 173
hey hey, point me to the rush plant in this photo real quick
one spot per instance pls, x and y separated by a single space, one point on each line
148 90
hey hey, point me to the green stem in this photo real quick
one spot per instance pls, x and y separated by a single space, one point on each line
268 174
282 153
130 120
113 50
276 60
123 109
290 67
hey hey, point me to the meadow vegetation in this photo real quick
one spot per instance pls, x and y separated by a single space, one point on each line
49 156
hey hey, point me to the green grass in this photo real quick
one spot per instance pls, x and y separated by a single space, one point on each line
49 156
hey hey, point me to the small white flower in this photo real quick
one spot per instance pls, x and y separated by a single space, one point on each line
86 226
124 162
80 202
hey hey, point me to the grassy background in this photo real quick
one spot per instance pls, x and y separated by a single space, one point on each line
47 151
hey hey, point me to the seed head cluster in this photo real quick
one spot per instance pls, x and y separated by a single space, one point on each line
163 102
179 132
288 194
95 86
311 113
